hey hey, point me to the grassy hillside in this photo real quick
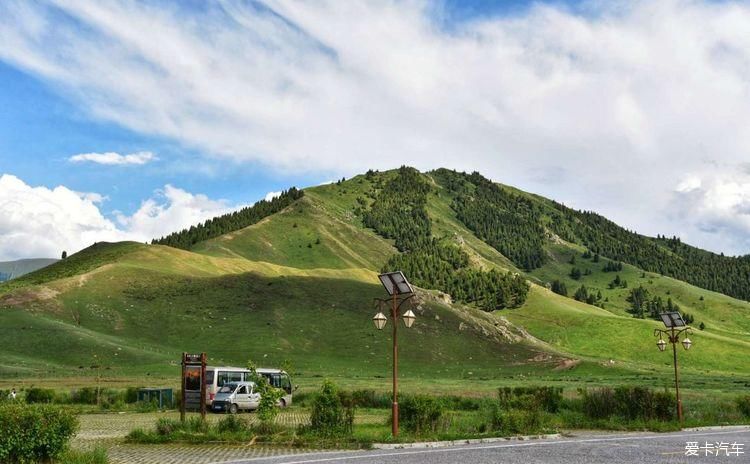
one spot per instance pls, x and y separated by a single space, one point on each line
298 285
138 314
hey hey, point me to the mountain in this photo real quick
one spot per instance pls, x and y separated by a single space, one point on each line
294 279
12 269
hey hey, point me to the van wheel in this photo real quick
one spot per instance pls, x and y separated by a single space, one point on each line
282 403
233 409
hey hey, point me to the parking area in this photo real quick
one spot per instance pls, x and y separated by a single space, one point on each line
109 430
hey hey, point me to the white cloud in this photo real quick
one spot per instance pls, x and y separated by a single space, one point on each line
716 202
41 222
142 157
271 195
608 110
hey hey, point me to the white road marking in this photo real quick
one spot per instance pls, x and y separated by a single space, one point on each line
471 448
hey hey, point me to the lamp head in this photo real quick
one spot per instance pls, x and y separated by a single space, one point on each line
409 318
379 320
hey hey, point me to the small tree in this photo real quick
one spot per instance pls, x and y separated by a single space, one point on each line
329 415
270 396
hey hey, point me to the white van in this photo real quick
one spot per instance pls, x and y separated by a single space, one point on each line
234 396
217 377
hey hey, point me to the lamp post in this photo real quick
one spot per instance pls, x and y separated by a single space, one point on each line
675 327
400 291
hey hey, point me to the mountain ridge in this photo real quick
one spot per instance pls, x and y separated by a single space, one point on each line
299 284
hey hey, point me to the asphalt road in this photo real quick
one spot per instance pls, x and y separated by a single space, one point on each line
582 448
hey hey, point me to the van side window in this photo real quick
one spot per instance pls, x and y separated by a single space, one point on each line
286 383
242 390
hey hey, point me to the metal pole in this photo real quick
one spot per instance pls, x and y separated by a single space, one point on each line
395 368
673 339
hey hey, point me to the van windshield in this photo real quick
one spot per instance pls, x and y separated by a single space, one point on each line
228 388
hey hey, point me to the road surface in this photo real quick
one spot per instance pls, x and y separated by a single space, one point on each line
579 449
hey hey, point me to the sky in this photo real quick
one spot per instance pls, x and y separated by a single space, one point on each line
128 120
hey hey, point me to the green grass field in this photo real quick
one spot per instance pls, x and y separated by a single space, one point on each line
299 286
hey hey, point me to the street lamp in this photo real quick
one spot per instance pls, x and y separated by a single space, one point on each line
400 291
675 327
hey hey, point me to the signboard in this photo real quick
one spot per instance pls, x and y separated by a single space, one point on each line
193 384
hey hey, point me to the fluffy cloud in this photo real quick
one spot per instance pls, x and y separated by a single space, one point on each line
142 157
41 222
271 195
606 108
717 202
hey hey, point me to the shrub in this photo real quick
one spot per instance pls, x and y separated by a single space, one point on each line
463 403
598 403
39 395
421 413
95 456
166 427
517 421
371 399
531 398
630 403
147 406
743 404
34 433
642 403
85 395
329 416
231 423
131 395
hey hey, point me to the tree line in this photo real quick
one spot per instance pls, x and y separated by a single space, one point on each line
220 225
399 213
519 225
508 222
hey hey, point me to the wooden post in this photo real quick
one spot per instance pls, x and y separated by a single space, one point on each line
394 318
674 341
203 386
182 395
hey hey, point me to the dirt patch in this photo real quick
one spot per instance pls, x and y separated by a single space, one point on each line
567 364
26 296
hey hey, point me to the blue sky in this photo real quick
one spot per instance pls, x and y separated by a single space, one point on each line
41 128
636 109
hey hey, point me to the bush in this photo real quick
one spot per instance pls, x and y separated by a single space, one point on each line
531 398
85 395
462 403
421 413
95 456
166 427
598 403
630 403
147 406
39 395
231 423
743 404
371 399
34 433
330 415
517 421
131 395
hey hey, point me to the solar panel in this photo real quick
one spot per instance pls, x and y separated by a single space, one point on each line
672 319
395 283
